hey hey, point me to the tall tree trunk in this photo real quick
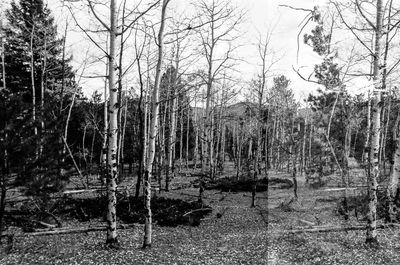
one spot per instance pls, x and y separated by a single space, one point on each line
42 95
91 151
153 131
393 187
303 150
103 156
310 146
196 134
4 174
385 133
113 107
69 117
371 237
170 170
142 127
181 138
32 66
120 94
365 154
187 137
122 139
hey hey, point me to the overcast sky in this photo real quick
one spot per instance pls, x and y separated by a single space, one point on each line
263 15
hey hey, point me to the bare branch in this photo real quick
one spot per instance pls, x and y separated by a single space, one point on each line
97 17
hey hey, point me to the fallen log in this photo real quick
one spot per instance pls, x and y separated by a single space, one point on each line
49 226
70 230
307 223
198 210
338 189
324 229
257 197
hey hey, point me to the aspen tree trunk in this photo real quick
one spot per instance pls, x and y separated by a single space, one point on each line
181 139
303 150
239 151
279 135
310 145
171 139
187 137
144 145
170 170
83 145
42 93
113 107
120 95
393 188
123 134
273 143
293 155
294 172
223 142
208 128
103 161
267 148
91 151
371 237
384 137
365 154
142 127
3 68
61 158
384 84
161 143
196 134
234 143
69 117
4 174
204 143
153 131
35 130
249 151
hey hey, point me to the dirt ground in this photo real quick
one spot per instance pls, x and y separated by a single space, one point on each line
234 233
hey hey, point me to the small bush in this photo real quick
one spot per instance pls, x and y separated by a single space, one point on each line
282 183
228 184
166 212
359 204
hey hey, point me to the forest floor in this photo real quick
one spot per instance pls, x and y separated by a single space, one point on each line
234 233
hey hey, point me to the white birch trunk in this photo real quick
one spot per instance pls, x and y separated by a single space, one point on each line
112 173
153 132
375 131
35 130
393 187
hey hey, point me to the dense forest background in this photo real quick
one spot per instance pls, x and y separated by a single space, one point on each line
170 106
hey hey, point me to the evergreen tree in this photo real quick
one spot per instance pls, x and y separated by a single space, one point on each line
38 78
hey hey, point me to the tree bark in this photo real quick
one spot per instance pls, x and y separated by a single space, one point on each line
187 137
32 66
371 237
42 94
393 188
170 170
113 107
153 131
4 173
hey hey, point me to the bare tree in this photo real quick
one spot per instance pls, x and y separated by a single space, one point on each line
153 129
221 20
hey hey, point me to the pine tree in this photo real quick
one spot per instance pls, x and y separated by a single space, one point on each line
36 76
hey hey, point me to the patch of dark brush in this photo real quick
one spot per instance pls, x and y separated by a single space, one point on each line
327 199
165 212
229 184
282 183
358 205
